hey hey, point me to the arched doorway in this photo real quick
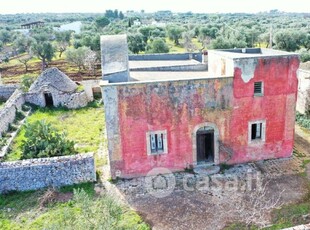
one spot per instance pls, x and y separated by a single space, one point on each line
48 99
206 144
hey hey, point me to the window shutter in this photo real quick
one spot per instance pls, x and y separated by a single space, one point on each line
258 130
153 142
160 142
258 87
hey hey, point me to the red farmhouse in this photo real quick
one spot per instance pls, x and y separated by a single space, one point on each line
169 111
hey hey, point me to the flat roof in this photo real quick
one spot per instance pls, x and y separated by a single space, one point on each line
161 63
251 53
159 80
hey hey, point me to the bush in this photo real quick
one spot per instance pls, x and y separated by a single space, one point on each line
43 140
304 55
19 115
26 82
303 120
158 45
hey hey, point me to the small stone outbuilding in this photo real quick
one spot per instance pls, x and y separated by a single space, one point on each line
54 88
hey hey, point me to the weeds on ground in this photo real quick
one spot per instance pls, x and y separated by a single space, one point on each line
84 211
83 126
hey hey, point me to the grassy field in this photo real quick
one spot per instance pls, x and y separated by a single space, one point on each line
180 49
72 207
84 126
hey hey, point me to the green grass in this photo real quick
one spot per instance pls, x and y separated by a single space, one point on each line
197 44
285 217
173 48
290 215
83 126
239 226
2 103
85 211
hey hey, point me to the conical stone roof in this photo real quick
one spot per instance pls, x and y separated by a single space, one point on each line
55 78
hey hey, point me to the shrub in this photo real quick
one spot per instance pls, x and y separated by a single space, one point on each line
304 55
26 82
19 115
303 120
43 140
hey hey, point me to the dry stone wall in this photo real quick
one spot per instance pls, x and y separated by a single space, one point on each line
8 112
303 96
46 172
6 91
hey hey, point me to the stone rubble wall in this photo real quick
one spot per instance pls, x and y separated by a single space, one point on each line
89 86
303 95
77 100
47 172
8 112
6 91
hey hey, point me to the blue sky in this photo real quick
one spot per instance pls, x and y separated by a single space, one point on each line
197 6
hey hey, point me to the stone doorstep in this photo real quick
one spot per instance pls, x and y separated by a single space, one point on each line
206 169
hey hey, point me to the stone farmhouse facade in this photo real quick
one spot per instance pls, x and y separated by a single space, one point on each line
241 110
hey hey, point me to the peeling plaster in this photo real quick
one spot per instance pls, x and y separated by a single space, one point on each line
247 67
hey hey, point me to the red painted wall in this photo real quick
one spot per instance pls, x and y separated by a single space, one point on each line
277 107
173 106
178 106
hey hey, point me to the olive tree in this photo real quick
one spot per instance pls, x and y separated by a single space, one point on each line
42 48
81 57
158 45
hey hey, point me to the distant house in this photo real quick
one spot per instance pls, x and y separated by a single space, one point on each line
54 88
176 115
137 22
32 25
159 24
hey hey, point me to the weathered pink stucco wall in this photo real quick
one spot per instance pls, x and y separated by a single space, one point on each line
180 106
276 106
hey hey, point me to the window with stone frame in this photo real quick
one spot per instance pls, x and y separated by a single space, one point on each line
156 142
256 130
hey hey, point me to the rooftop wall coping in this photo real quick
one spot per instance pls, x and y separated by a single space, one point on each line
267 53
154 54
106 83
